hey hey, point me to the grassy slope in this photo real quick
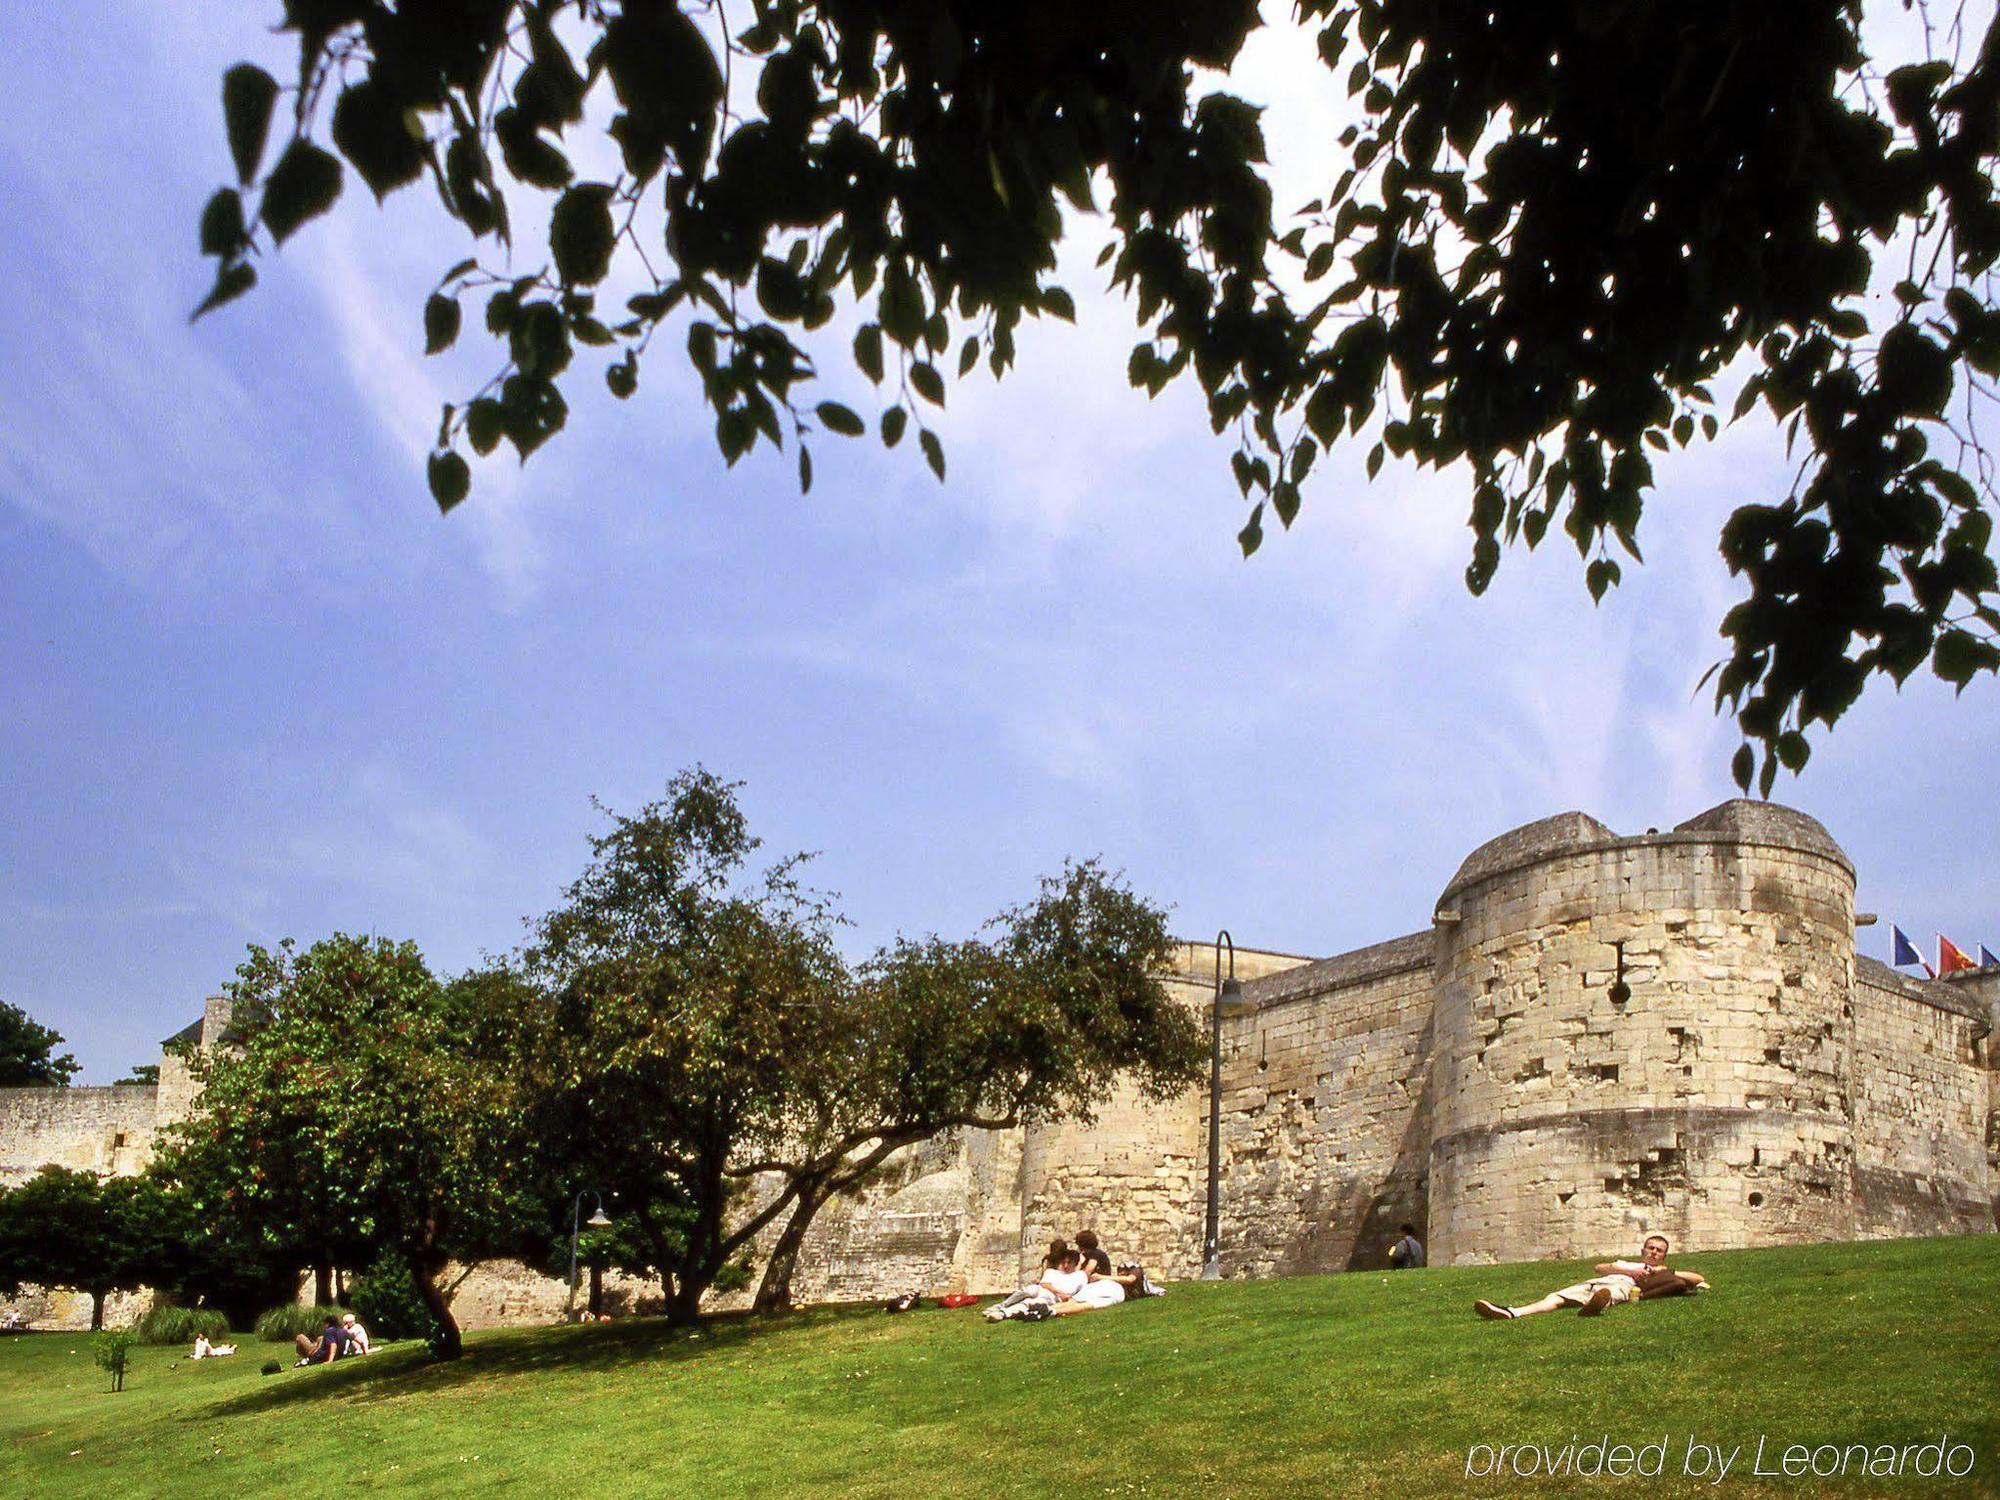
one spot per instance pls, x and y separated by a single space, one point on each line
1362 1384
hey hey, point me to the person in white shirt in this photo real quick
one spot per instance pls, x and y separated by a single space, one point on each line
1062 1278
357 1335
1616 1281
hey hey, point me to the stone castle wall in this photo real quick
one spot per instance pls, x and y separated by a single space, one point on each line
104 1130
1326 1113
1572 1115
1597 1038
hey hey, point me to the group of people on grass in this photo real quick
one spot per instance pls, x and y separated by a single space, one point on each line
1076 1278
342 1337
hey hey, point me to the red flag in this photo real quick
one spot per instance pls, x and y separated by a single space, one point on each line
1950 959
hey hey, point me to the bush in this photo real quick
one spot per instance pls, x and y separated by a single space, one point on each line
270 1367
387 1302
111 1349
180 1325
283 1324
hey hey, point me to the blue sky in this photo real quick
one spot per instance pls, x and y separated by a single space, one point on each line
252 685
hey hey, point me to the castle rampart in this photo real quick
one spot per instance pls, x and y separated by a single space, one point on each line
1595 1038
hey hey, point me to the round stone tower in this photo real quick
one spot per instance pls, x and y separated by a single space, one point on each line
1644 1034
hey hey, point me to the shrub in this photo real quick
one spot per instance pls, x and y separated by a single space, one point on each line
387 1303
270 1367
180 1325
110 1349
283 1324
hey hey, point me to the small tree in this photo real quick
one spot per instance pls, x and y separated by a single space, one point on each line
366 1111
109 1351
28 1056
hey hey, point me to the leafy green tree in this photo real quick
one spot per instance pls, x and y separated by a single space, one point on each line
28 1056
1041 1020
65 1228
1512 272
702 1035
681 1012
145 1074
366 1111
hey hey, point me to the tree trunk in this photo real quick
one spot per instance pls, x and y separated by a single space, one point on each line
684 1301
448 1343
774 1292
323 1284
596 1291
97 1311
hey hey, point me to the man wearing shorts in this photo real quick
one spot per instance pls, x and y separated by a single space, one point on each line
1616 1281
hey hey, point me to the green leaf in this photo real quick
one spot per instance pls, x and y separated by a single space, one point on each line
484 425
805 471
1058 302
929 384
451 479
894 420
868 351
1960 655
838 418
669 83
532 411
933 451
1251 537
303 185
623 377
529 157
582 235
373 132
231 282
441 321
222 224
248 93
1743 765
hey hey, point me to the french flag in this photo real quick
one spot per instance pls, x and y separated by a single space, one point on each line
1904 952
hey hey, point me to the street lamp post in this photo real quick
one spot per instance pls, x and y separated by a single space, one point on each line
598 1220
1211 1262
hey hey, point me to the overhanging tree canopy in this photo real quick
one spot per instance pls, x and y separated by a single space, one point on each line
1555 230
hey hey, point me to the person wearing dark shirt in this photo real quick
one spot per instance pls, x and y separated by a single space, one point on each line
1407 1254
332 1344
1094 1258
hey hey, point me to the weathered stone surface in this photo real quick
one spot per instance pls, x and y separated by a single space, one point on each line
1599 1038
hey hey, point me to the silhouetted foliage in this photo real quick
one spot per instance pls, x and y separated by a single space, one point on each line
1553 231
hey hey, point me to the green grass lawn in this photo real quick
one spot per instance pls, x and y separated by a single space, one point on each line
1342 1385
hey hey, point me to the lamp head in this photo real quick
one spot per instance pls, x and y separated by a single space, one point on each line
599 1219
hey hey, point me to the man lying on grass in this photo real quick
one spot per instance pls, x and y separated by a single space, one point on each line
1615 1281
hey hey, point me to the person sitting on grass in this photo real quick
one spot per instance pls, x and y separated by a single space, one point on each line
1062 1278
333 1342
1615 1281
357 1335
1407 1254
1104 1291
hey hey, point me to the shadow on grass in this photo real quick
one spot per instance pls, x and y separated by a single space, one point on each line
499 1355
